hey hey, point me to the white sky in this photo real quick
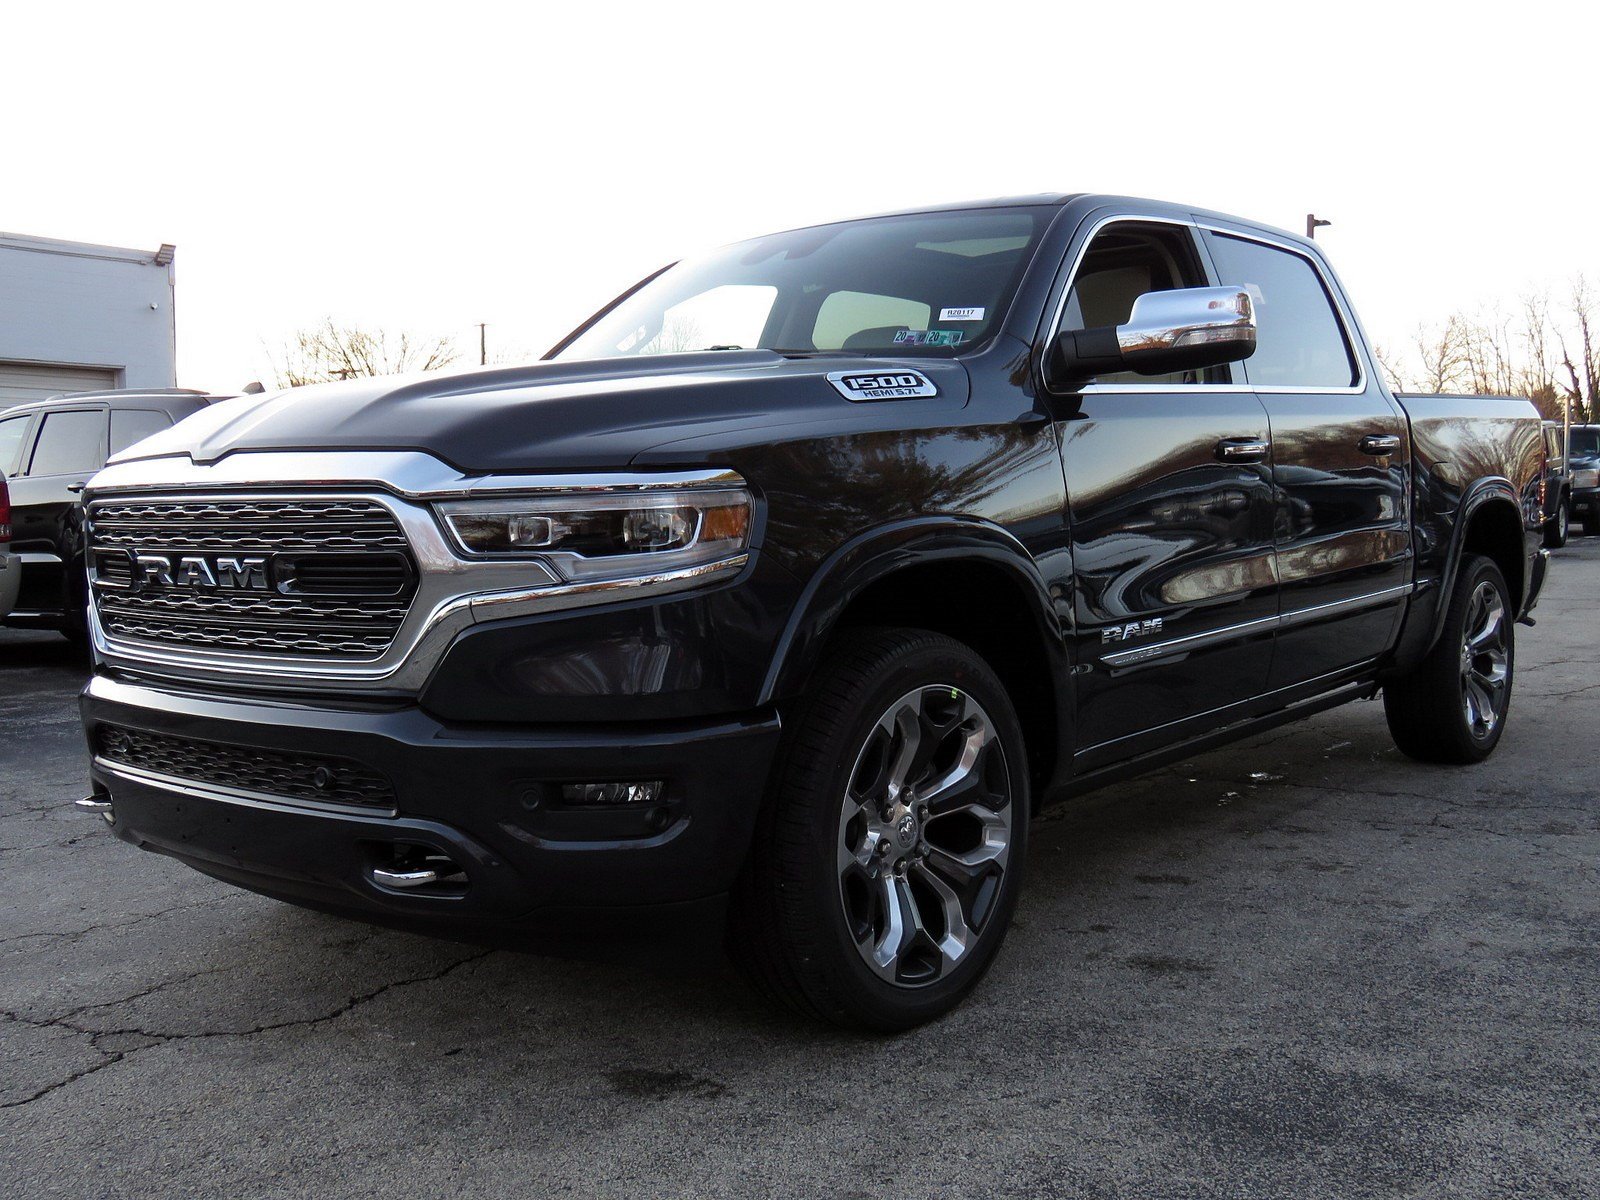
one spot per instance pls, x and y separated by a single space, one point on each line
428 166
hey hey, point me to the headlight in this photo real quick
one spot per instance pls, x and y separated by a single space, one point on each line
605 534
1586 479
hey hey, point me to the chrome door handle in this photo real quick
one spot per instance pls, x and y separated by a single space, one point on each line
1379 444
1242 450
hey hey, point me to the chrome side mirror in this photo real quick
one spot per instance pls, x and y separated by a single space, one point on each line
1186 329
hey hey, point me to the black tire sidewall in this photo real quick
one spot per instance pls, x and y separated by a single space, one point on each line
874 1001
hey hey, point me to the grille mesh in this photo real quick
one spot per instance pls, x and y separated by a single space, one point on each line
245 768
348 557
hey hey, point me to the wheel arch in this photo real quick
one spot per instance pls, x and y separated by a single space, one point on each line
1489 522
932 573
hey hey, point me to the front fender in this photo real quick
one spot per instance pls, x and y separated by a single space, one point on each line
879 553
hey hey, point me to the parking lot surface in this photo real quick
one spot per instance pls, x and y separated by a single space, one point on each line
1300 966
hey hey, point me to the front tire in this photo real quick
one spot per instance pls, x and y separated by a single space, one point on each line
888 855
1452 708
1560 526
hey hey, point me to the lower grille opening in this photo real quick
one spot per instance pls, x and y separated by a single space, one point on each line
275 773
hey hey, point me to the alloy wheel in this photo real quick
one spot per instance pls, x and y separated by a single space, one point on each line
925 835
1485 660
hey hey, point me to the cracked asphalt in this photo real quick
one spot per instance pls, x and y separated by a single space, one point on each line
1299 966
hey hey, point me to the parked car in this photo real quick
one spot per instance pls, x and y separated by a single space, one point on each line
10 568
49 449
1583 465
1556 487
803 572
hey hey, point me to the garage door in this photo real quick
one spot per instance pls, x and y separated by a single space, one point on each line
35 381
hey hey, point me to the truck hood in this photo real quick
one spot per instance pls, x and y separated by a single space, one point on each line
551 416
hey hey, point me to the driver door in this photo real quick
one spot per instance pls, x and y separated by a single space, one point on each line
1170 505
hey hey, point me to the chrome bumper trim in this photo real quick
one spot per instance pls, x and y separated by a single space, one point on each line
201 790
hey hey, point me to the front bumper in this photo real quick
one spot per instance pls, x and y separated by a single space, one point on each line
1585 503
485 797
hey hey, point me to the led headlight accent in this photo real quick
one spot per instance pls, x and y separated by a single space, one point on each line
606 534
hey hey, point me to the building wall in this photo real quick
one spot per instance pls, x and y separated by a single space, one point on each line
72 304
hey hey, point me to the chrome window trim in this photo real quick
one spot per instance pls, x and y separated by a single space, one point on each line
454 592
1346 322
1298 616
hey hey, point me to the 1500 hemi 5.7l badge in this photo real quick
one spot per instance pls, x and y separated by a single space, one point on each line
882 385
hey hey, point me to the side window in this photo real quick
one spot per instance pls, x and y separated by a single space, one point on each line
863 321
130 425
12 431
70 443
1299 340
1123 263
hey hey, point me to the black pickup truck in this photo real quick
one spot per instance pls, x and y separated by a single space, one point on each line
802 574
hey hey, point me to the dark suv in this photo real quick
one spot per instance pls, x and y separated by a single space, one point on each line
48 451
1583 472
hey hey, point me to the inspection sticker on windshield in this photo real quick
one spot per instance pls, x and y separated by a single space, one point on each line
928 337
882 385
961 314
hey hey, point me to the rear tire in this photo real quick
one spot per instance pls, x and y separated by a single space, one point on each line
888 854
1453 707
1559 526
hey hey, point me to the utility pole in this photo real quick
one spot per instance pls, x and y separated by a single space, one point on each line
483 345
1314 223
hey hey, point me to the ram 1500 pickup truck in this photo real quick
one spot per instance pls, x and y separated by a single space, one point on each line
800 575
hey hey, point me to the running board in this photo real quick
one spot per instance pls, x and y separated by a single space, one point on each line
1178 751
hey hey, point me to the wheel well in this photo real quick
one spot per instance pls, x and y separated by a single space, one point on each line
988 609
1495 531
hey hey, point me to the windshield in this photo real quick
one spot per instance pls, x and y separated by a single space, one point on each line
1585 443
930 284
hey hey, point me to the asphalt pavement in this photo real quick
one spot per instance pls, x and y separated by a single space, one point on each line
1302 966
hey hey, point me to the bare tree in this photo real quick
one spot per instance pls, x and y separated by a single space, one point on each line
1443 356
332 351
1549 356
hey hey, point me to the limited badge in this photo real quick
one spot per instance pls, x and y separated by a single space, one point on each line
961 314
882 385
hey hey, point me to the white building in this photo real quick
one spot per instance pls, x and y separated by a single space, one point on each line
75 317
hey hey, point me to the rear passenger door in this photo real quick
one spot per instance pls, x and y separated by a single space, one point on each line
1340 454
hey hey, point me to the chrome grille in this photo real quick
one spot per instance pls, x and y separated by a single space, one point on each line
245 768
342 577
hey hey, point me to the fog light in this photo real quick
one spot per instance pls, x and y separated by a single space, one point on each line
612 793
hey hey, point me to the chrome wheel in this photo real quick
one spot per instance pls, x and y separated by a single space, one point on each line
1485 660
925 834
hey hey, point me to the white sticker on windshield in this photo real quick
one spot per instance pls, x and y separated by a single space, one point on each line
961 314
